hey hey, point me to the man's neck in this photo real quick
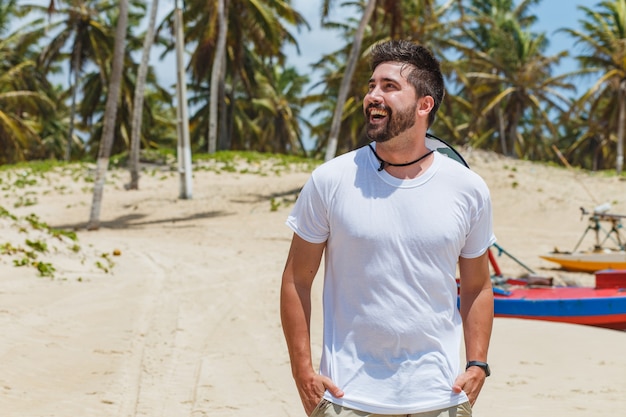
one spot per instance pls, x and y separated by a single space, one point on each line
403 148
398 151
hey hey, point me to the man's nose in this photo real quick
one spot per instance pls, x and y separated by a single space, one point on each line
374 95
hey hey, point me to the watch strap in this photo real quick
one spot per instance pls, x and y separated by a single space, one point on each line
482 365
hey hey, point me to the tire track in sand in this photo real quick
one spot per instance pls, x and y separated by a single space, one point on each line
170 341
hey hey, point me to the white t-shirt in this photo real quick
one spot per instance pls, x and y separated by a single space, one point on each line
392 330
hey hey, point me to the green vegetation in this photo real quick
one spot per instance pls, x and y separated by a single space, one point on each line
504 94
38 240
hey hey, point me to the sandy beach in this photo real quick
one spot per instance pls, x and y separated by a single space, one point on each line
170 309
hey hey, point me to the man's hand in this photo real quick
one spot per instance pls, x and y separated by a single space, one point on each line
471 382
311 389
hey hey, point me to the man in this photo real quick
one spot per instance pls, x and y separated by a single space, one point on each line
393 219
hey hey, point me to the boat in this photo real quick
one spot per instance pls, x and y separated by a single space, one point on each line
603 305
601 256
588 261
535 297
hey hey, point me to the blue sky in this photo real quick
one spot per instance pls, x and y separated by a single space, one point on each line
555 14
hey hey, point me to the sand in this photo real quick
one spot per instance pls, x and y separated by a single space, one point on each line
171 308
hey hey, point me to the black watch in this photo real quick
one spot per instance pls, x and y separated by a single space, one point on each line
481 365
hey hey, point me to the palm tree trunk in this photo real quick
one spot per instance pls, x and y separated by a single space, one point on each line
515 115
76 72
184 146
619 163
223 138
344 88
142 72
110 115
230 110
216 73
502 132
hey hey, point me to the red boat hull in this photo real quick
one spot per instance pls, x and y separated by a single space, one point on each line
536 298
601 307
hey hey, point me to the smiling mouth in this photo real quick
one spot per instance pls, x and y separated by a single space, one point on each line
377 113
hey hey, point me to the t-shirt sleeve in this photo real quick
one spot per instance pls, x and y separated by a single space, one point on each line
309 218
480 236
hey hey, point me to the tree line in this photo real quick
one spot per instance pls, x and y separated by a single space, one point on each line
503 91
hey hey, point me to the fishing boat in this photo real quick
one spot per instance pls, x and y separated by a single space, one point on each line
588 261
537 298
603 305
601 256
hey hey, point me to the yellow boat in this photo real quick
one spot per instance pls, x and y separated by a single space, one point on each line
600 257
588 261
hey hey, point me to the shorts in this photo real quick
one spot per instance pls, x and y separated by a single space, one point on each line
327 409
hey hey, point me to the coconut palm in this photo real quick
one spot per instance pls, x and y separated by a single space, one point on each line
344 88
603 37
278 111
94 84
8 12
75 23
140 87
255 30
218 71
109 115
79 35
587 142
25 94
507 79
20 115
426 26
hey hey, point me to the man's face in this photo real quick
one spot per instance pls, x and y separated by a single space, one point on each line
390 104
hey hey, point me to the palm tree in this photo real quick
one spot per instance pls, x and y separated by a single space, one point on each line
355 51
255 29
140 87
25 95
585 141
217 72
278 109
507 78
387 22
8 12
79 32
603 37
20 111
80 27
109 115
94 84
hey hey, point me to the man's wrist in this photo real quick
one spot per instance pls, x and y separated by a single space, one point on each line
482 365
304 371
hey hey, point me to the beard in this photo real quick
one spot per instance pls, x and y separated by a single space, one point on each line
396 124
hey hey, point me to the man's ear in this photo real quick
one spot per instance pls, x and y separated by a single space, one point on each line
425 106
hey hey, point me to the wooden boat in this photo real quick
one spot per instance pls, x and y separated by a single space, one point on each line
600 257
603 305
588 261
537 298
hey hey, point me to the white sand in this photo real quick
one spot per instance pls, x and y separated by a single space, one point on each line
186 323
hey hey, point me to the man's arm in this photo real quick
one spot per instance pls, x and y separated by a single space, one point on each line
301 267
477 314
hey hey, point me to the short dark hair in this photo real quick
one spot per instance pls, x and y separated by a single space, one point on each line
425 72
